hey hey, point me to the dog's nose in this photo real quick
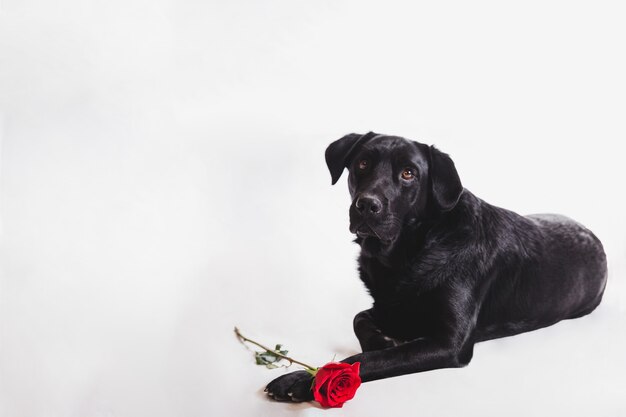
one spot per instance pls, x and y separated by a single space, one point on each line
368 204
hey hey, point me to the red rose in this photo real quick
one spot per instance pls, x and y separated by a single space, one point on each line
336 383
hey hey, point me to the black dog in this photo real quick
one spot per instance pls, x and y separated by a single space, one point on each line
446 269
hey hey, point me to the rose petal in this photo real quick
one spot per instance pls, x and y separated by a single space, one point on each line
336 383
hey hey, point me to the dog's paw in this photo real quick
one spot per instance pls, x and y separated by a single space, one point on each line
294 386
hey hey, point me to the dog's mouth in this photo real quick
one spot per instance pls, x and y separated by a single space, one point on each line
365 231
373 236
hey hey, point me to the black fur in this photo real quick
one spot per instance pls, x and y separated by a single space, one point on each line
446 269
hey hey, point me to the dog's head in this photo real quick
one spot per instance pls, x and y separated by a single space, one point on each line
393 182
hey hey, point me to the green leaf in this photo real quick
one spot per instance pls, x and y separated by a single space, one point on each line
260 359
269 357
278 349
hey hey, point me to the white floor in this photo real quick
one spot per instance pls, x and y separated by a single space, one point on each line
162 180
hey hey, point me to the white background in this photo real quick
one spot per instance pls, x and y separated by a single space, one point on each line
162 180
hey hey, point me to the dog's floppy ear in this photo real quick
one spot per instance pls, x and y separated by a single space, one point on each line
340 152
445 183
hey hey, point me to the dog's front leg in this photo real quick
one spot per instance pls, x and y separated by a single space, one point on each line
370 336
414 356
452 347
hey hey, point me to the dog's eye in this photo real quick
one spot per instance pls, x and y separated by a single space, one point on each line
408 174
363 164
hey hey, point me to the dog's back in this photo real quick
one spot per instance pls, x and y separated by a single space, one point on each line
559 272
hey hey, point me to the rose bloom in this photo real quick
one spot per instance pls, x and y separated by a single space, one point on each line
336 383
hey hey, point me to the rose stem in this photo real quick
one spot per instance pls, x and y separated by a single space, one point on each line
245 339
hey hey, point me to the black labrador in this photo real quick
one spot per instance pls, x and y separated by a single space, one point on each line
446 269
